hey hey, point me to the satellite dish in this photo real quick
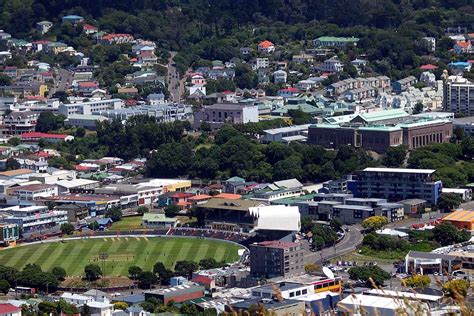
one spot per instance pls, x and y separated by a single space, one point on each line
327 272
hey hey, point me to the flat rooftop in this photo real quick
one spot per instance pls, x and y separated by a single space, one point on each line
400 170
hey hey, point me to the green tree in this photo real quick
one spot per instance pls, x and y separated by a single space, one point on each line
48 121
417 281
92 272
14 141
5 80
114 213
12 164
456 289
134 272
395 156
4 286
67 228
418 108
374 223
447 234
299 117
59 272
208 263
185 268
142 210
371 275
146 279
170 160
171 210
447 202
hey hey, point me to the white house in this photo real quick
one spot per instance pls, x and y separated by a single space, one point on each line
76 299
262 62
332 65
280 76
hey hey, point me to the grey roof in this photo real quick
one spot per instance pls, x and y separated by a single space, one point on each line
289 184
228 106
429 255
270 304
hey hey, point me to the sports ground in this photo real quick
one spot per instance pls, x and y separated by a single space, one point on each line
122 252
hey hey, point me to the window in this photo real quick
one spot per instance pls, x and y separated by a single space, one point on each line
292 294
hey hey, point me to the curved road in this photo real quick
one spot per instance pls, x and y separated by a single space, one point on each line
351 240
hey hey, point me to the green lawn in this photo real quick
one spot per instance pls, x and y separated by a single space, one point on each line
123 252
127 223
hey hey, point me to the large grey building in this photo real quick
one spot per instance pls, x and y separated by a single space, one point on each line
397 184
276 258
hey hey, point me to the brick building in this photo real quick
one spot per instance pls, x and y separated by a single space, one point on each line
377 132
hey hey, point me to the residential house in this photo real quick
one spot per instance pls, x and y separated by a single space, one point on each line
4 36
333 41
73 19
44 26
303 58
266 47
7 309
430 42
156 98
403 84
245 51
117 38
280 76
463 47
262 62
331 65
89 29
288 92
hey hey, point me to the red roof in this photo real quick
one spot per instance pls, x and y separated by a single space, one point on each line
200 197
40 42
88 84
291 89
83 168
229 196
265 44
89 27
471 61
228 92
9 309
42 135
110 37
202 279
463 44
277 244
429 67
179 195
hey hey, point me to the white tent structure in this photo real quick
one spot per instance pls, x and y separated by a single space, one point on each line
276 217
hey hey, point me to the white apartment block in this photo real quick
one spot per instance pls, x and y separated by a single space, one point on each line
90 107
459 95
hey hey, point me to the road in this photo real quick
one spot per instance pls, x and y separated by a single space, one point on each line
351 240
174 83
63 80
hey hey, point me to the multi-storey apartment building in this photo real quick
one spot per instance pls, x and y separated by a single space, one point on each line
276 258
459 95
398 184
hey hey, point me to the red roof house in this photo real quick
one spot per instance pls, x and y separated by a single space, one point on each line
9 310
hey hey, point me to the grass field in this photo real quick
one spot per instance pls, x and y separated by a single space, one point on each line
123 252
127 223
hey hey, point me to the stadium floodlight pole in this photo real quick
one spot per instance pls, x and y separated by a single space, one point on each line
103 256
